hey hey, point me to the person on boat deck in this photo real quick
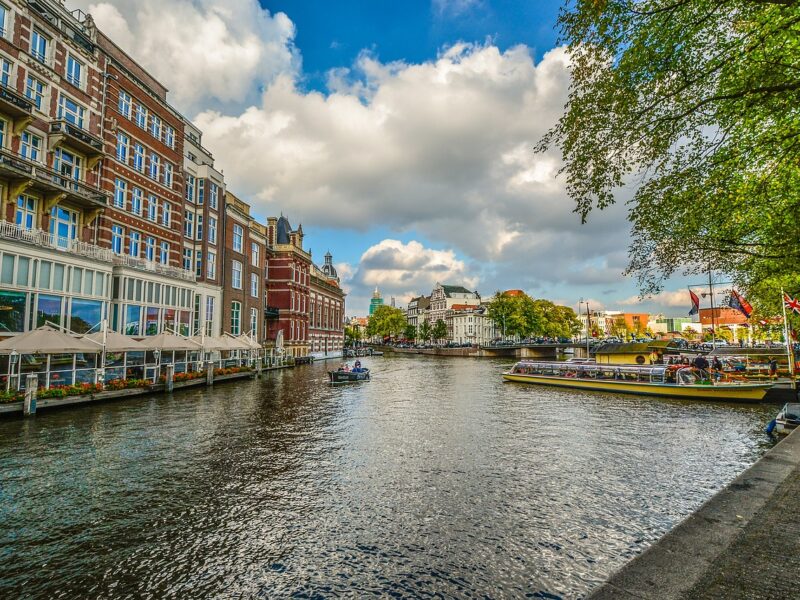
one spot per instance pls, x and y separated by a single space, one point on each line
701 363
716 364
773 368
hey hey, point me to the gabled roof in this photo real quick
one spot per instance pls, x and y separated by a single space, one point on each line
455 289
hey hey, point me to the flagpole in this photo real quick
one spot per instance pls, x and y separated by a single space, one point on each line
788 341
713 318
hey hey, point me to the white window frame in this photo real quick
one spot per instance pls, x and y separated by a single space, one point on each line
72 62
137 198
124 104
236 275
120 193
238 236
123 144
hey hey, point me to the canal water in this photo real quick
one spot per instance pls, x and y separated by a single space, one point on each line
433 479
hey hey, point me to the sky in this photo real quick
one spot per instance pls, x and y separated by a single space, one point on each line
400 134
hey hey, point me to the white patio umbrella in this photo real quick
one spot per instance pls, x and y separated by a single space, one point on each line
47 340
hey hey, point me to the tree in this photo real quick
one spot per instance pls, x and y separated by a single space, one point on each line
410 332
554 320
425 331
695 103
439 331
352 335
386 321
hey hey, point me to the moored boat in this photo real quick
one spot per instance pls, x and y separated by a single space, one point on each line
788 419
346 375
675 381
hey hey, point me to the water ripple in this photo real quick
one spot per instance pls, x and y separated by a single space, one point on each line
434 480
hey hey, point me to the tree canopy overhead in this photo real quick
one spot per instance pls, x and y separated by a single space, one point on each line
696 105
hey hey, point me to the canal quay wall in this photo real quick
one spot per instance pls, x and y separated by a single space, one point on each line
743 543
17 408
544 352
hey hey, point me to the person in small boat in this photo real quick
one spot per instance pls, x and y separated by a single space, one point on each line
345 367
357 367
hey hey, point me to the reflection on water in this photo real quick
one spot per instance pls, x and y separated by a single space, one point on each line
433 477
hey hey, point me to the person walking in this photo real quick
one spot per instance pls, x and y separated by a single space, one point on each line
773 367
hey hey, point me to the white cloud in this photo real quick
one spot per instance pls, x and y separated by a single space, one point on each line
207 53
404 271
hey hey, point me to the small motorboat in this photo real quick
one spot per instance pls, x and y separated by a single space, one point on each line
344 374
787 420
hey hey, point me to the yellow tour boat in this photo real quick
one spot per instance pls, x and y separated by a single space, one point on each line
674 381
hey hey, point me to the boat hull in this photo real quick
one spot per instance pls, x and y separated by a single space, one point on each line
737 393
348 376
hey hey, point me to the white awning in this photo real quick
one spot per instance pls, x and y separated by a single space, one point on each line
47 340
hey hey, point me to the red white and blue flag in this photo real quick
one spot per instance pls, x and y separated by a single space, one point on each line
695 303
738 302
791 303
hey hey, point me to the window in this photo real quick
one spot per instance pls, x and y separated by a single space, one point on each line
254 285
3 21
212 230
152 208
5 66
236 274
134 243
67 164
120 189
188 224
198 263
201 191
253 321
238 233
164 255
30 146
75 71
155 162
187 258
213 196
150 249
34 91
166 214
124 104
190 188
26 212
254 252
236 312
123 141
138 157
141 116
209 313
39 45
169 136
211 265
117 233
167 174
70 111
155 127
136 201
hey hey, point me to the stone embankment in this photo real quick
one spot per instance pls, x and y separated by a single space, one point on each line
743 543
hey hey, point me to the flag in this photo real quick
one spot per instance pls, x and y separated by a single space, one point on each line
791 303
738 302
695 303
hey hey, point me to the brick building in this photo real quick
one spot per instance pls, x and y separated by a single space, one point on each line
288 280
152 291
245 255
326 311
51 99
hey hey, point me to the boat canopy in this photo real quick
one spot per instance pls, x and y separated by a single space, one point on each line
648 373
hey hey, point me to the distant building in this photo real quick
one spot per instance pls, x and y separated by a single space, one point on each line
326 311
377 300
443 297
471 325
417 311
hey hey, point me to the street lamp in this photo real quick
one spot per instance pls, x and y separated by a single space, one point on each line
581 303
13 359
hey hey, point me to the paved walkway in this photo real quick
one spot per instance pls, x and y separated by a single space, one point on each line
743 543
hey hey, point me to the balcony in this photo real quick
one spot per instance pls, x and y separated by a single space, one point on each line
64 133
43 239
123 260
54 185
16 106
270 312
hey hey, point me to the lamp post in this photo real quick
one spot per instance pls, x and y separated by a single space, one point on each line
581 302
12 359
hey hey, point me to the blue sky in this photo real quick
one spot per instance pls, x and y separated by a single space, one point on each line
400 134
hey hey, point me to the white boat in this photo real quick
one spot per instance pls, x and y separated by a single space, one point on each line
788 419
